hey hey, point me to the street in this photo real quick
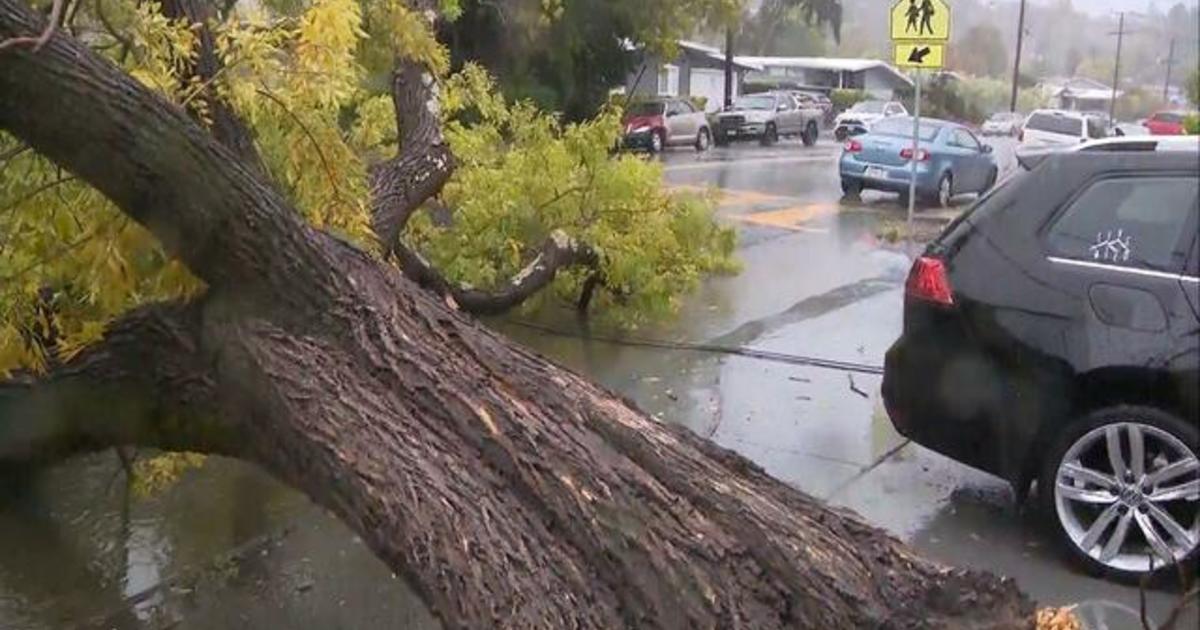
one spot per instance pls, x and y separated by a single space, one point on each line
817 281
835 293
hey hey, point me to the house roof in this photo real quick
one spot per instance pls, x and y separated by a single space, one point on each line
1105 94
832 64
716 54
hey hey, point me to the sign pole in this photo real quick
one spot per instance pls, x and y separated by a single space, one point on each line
912 180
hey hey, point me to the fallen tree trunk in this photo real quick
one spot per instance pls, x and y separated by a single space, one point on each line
508 491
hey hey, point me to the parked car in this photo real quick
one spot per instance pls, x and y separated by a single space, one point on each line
859 118
1050 335
1166 123
1053 127
950 160
658 123
1002 124
767 117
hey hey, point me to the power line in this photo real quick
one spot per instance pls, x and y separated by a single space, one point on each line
762 355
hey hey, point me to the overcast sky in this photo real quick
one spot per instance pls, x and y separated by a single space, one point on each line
1100 7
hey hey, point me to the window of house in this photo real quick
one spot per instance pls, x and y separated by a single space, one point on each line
1129 222
668 81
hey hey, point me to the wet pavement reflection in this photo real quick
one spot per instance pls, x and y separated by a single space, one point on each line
228 547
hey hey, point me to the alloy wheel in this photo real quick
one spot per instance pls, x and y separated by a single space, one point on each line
1127 495
944 195
656 142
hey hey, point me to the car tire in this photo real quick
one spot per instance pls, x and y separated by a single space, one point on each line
1080 455
657 142
944 191
851 187
809 137
993 175
770 135
703 139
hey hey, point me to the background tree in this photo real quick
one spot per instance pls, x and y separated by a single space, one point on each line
980 51
509 491
792 27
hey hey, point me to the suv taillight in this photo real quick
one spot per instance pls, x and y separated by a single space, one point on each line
928 281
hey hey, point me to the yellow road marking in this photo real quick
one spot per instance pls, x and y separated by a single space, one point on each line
792 218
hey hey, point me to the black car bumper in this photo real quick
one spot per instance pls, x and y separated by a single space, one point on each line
638 140
920 398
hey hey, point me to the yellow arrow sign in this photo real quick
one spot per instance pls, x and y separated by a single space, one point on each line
923 20
920 55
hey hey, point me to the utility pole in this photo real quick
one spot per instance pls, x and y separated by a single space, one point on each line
1012 104
729 67
1112 105
1170 62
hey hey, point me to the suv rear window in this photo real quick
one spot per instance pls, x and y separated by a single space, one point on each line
1130 222
1063 125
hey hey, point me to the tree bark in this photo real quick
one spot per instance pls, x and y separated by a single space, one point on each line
508 491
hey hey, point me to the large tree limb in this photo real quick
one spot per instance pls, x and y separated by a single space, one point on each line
559 252
144 384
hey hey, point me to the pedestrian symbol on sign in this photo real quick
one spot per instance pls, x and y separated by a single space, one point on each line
927 15
920 20
923 13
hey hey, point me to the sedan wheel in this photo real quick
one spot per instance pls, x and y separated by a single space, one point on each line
1126 492
945 190
702 139
656 142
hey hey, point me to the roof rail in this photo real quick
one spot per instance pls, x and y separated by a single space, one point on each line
1143 143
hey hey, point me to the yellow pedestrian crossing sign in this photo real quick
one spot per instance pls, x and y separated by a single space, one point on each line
920 20
920 55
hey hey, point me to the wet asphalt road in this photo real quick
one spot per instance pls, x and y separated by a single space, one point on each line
227 547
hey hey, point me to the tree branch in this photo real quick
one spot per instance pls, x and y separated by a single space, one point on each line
558 252
227 127
51 26
400 185
143 384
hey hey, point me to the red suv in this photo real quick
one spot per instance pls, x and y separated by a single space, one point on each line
1166 123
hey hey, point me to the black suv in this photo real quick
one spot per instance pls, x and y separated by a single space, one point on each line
1051 334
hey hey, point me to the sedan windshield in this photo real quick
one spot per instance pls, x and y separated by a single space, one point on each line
868 107
904 127
755 102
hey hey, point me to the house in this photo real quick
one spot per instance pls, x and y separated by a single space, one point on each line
876 77
696 70
1078 93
